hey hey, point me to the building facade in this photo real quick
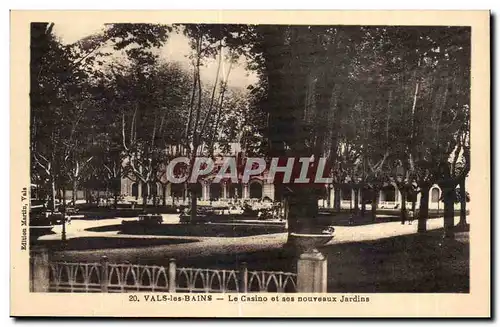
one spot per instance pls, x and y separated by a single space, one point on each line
258 188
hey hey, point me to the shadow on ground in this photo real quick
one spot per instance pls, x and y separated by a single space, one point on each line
328 217
93 243
410 263
201 230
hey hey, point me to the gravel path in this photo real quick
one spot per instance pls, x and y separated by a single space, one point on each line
208 246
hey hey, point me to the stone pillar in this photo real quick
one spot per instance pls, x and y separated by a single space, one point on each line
39 270
205 191
332 196
169 190
341 194
159 191
139 190
360 197
399 198
243 281
104 274
268 190
224 190
125 185
312 272
172 273
245 191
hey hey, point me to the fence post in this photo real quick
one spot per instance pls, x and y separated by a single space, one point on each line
243 278
311 272
104 274
40 269
172 274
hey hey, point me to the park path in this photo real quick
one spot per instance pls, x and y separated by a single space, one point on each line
209 246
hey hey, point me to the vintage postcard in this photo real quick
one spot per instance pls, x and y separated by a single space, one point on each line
250 163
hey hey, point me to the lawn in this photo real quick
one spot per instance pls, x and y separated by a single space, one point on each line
201 230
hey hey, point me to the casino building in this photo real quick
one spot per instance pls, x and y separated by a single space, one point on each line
257 189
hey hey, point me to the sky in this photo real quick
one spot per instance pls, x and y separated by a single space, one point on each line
176 49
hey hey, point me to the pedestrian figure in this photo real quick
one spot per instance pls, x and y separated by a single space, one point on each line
411 216
351 219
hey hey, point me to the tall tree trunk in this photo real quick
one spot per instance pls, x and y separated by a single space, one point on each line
423 212
449 211
286 208
185 193
463 203
53 193
363 202
375 192
329 197
350 201
403 204
194 199
63 236
73 200
336 200
302 212
303 201
356 200
106 194
145 194
59 196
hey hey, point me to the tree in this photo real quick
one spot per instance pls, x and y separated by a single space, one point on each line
54 84
151 96
203 124
441 152
62 78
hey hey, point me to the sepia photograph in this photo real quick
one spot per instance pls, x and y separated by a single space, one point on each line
213 162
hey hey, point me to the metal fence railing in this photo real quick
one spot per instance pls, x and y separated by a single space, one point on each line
109 277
